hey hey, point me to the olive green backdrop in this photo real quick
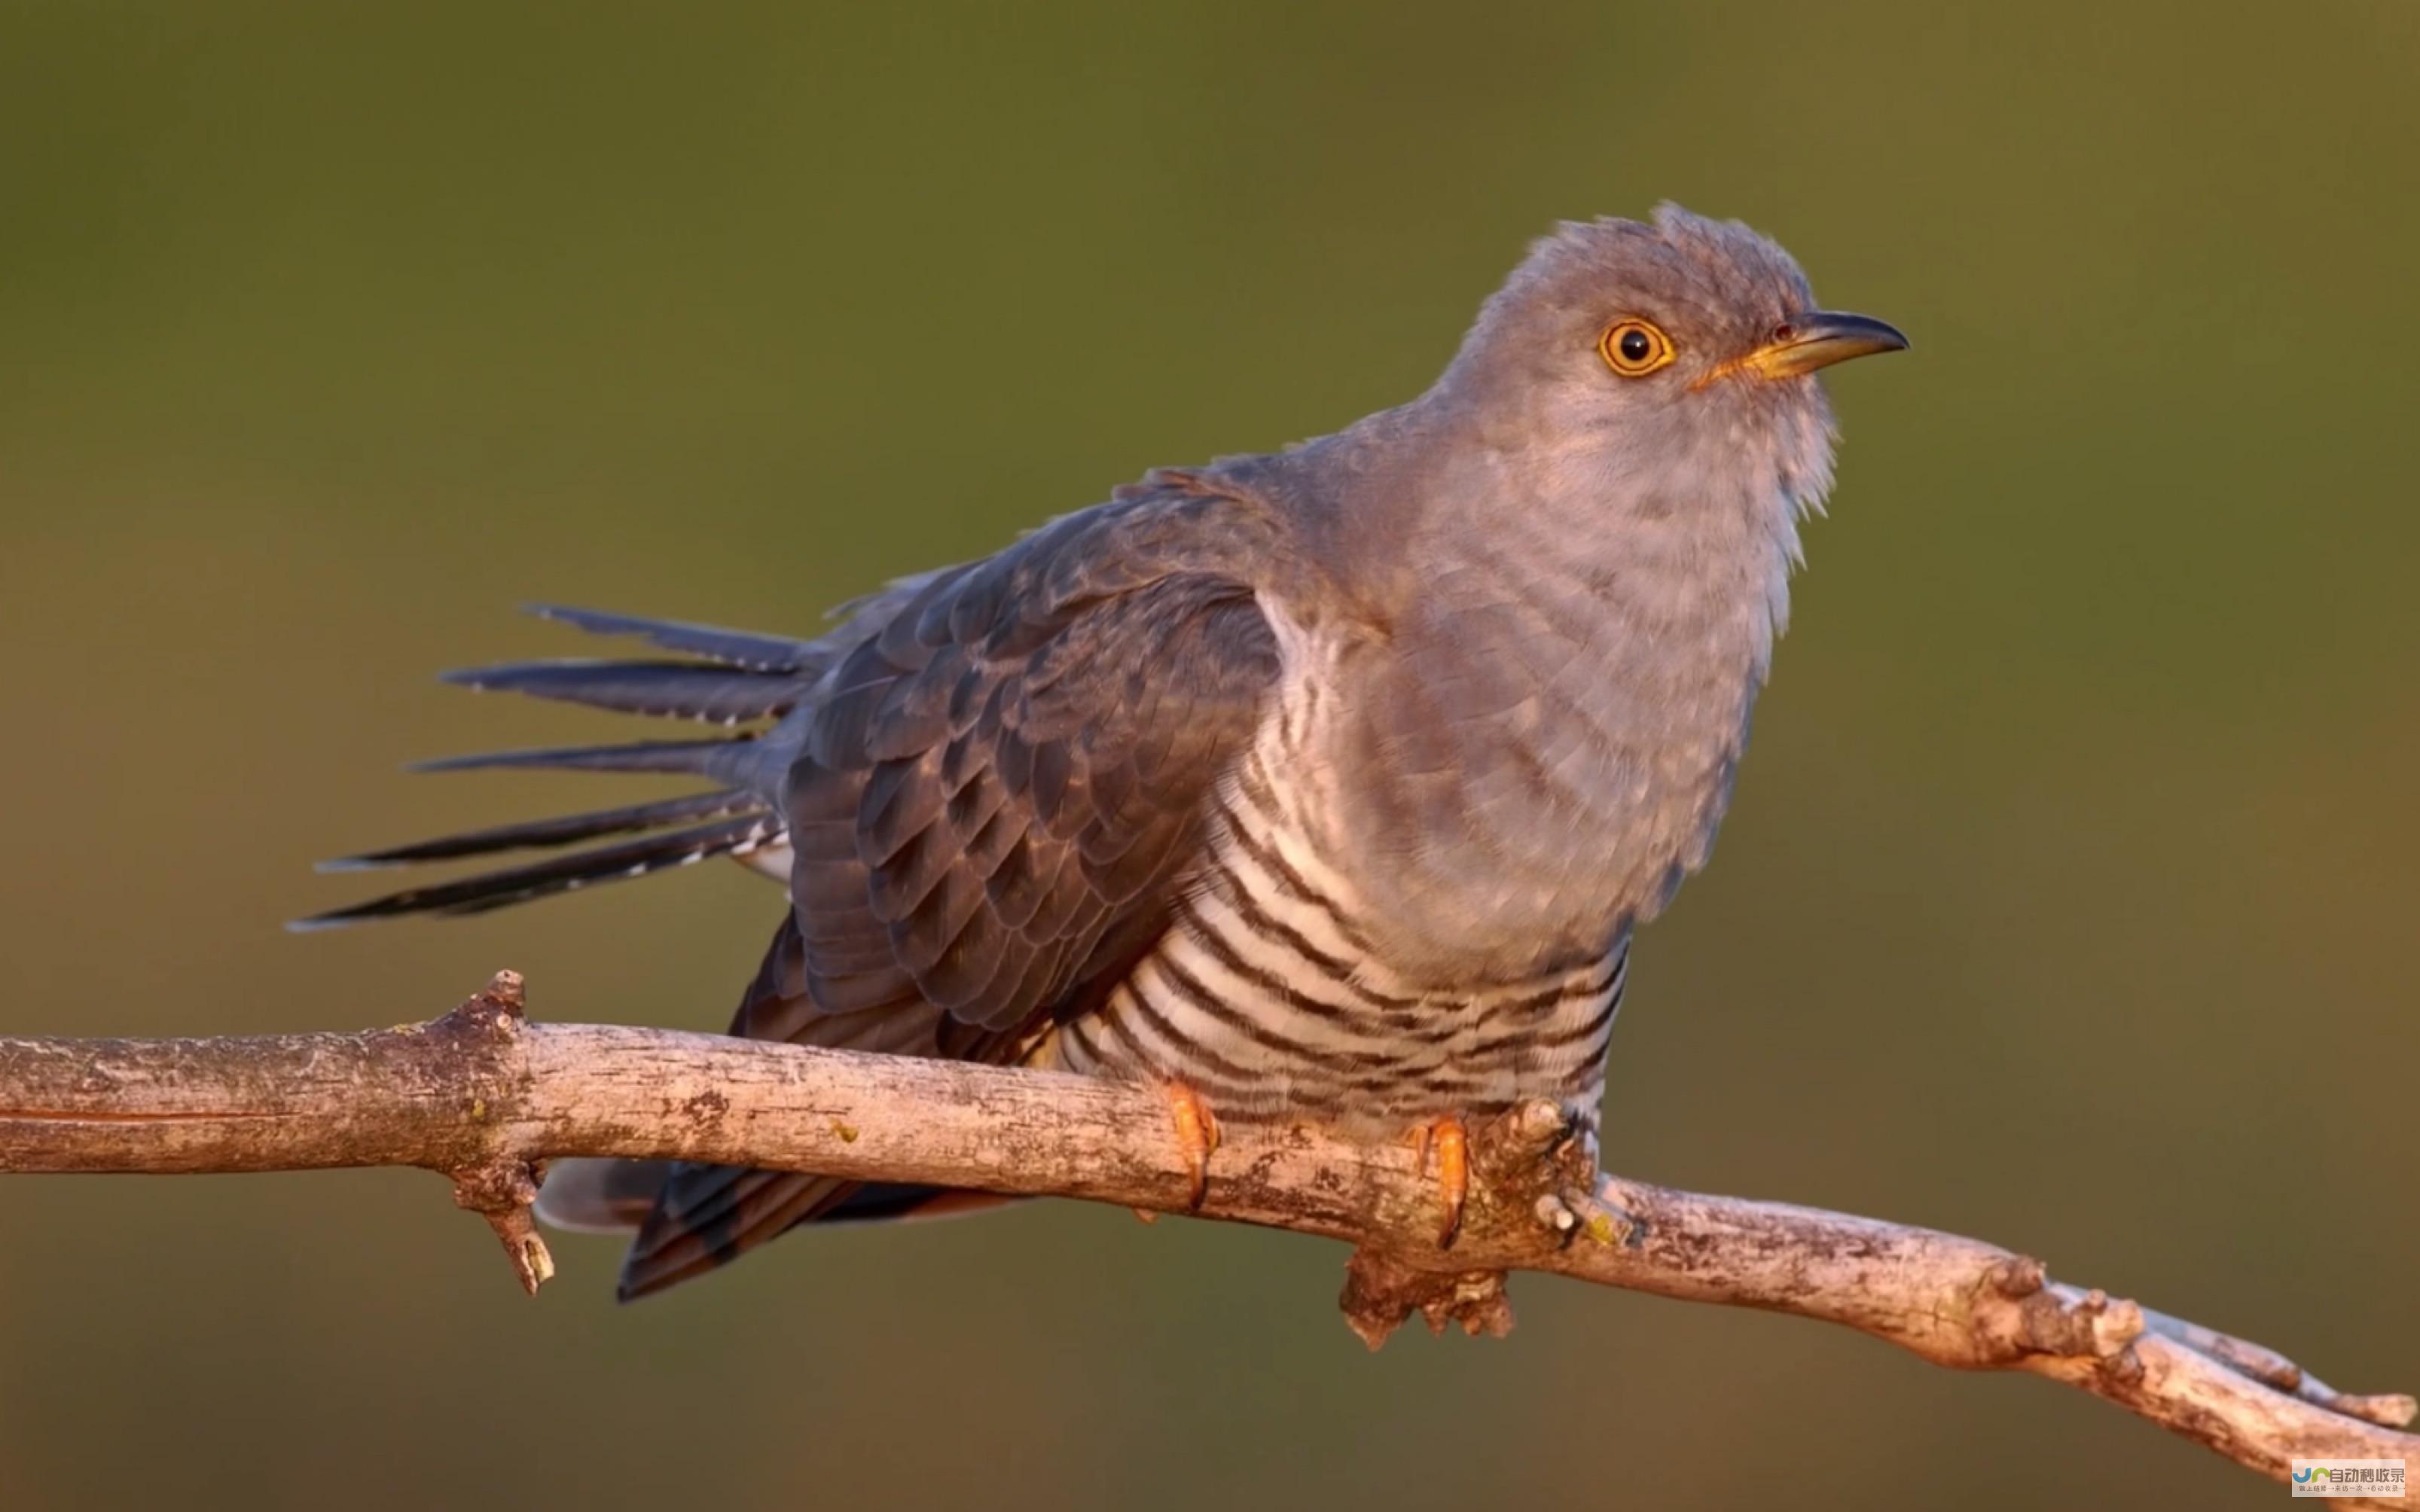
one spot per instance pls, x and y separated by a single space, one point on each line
2069 898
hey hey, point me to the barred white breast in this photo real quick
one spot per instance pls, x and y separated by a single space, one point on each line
1269 996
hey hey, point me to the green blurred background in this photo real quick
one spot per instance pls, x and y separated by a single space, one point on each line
2067 900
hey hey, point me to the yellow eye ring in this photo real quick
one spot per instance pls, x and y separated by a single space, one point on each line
1635 348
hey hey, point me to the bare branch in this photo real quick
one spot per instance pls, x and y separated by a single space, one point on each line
485 1097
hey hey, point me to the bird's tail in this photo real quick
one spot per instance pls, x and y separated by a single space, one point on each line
604 1196
730 679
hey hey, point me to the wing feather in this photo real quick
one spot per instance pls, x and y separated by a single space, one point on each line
1003 787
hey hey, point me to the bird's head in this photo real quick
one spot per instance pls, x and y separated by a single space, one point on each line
1652 350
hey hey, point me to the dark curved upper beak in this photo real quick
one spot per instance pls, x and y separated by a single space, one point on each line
1818 338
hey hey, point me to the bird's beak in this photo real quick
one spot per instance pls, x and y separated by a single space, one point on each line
1817 339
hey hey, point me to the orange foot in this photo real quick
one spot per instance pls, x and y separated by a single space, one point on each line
1197 1135
1451 1140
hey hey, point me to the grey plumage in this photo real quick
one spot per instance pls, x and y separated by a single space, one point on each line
736 648
542 834
666 689
568 873
1331 783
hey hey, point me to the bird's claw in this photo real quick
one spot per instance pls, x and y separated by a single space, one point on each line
1572 1213
1197 1135
1555 1215
1450 1142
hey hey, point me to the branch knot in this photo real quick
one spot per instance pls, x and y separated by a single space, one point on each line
1381 1291
502 1191
502 1188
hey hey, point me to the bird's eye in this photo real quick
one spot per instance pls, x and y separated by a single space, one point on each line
1635 348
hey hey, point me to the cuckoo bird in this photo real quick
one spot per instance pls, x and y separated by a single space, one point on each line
1321 785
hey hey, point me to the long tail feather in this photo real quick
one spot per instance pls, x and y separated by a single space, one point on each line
738 648
564 873
741 678
599 1195
542 834
725 759
669 689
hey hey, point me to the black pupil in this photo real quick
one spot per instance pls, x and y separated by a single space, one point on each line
1635 346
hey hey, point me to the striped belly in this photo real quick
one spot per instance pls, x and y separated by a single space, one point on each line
1268 997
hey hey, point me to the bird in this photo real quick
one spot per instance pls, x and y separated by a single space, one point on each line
1323 785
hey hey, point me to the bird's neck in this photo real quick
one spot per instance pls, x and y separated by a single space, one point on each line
1679 551
1580 642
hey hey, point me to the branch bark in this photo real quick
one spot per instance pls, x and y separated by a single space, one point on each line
486 1097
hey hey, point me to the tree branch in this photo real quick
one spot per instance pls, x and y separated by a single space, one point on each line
485 1097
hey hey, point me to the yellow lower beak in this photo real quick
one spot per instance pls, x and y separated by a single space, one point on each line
1818 339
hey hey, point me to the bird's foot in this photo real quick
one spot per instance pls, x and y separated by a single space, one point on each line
1197 1135
1449 1141
1547 1152
1575 1212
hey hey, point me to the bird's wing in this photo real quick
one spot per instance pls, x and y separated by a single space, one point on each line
999 793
